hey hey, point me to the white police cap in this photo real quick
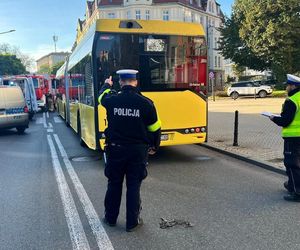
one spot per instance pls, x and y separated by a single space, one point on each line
292 79
127 73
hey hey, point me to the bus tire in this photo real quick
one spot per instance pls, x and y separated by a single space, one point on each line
81 142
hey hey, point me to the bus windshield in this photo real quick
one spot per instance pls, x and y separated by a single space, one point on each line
163 61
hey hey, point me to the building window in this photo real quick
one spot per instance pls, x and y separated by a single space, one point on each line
128 14
193 17
138 15
216 43
209 6
111 15
201 20
219 62
165 15
191 1
147 14
216 61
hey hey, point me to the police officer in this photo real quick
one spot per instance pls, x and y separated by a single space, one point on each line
290 121
133 132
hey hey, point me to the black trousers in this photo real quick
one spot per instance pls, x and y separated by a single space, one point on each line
292 162
125 161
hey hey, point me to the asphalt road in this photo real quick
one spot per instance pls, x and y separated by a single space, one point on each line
50 200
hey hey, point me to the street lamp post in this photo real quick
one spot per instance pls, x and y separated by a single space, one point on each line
7 32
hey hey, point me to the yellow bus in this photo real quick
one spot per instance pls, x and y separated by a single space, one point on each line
171 58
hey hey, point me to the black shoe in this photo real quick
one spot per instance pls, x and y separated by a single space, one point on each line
287 187
105 221
136 227
292 197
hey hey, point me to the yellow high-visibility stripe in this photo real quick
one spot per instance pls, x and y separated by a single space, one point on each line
155 126
101 96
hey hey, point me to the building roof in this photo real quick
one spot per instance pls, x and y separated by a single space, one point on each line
110 2
54 54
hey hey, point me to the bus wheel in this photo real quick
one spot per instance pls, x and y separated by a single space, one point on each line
81 142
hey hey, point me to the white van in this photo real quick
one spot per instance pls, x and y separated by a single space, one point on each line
13 109
27 87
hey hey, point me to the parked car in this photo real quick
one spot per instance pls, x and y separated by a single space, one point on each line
13 109
247 89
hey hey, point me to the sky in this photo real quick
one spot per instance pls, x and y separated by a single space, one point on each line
36 21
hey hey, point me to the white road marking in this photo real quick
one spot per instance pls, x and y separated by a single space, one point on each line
57 119
44 120
50 125
50 130
101 237
47 114
76 231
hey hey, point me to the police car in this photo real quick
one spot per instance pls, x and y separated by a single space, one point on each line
248 88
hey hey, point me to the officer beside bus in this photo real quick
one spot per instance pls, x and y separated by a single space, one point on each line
133 132
290 121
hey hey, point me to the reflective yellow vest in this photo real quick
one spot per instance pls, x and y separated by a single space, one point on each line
293 130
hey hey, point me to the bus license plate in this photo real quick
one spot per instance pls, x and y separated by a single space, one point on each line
164 137
16 117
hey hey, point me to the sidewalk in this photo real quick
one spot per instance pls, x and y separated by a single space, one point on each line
258 138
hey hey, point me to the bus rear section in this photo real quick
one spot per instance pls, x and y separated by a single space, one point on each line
183 116
171 58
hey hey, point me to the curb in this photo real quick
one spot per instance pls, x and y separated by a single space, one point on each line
261 164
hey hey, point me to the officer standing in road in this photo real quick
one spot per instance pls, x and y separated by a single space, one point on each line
290 121
133 132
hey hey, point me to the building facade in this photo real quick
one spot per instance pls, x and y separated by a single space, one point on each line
205 12
51 59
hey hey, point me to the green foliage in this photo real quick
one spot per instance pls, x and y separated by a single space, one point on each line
264 35
56 67
238 70
234 48
220 93
44 69
11 65
26 60
279 93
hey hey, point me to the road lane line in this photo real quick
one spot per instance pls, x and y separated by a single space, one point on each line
50 125
44 120
100 234
76 231
47 114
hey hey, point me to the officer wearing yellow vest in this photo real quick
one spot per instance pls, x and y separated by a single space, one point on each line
290 123
133 132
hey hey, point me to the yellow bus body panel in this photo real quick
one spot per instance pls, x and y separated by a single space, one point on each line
73 115
151 27
61 108
87 121
176 110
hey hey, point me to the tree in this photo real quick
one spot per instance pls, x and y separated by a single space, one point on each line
55 67
238 70
44 69
234 48
264 34
26 60
11 65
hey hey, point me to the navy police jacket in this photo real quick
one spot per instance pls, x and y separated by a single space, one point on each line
132 118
